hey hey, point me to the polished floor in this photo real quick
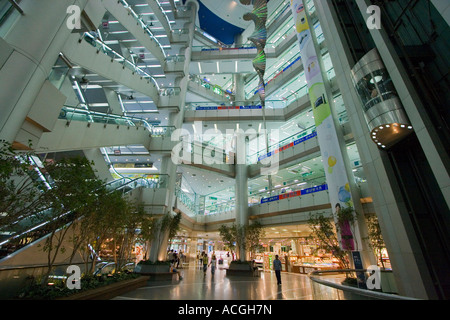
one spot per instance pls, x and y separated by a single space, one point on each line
197 286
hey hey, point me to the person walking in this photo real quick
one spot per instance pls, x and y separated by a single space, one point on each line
277 268
205 263
213 264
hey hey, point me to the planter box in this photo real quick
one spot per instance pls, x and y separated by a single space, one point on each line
241 269
109 291
151 268
156 272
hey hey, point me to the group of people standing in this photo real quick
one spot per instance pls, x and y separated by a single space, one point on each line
174 258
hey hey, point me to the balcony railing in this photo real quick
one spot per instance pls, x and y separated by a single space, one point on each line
101 46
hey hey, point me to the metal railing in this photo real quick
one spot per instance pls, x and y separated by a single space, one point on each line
256 198
143 25
214 88
255 157
331 288
73 114
101 46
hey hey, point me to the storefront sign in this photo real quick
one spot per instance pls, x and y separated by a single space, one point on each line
295 193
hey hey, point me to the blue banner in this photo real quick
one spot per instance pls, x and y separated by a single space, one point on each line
295 193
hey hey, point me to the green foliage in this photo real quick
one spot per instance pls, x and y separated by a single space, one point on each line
249 235
375 237
58 289
21 193
323 230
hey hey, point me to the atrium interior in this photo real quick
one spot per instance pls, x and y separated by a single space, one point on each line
241 129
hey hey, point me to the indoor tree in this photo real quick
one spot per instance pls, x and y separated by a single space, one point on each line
375 237
72 196
247 235
22 194
254 233
323 230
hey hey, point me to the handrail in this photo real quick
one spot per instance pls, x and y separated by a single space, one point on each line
282 143
363 292
210 86
164 13
104 116
119 57
143 25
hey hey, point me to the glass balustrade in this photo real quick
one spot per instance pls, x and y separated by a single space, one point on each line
9 12
170 91
162 131
175 58
73 114
298 185
307 134
185 199
164 13
227 105
214 88
224 206
142 24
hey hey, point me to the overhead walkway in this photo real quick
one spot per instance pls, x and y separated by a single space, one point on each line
205 157
132 22
85 130
293 149
245 52
288 208
289 71
137 27
207 90
242 111
94 55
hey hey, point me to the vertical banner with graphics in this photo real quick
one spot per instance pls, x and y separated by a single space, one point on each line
335 172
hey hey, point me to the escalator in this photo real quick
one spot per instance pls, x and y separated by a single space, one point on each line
30 229
79 129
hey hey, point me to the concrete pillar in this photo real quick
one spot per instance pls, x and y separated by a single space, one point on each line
113 101
100 165
27 54
158 250
400 243
241 188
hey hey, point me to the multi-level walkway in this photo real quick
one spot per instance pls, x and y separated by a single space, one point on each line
197 286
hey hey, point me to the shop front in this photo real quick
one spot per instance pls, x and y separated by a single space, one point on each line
297 255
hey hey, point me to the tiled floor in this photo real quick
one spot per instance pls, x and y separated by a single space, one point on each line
197 286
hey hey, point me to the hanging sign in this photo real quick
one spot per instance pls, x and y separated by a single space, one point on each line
335 172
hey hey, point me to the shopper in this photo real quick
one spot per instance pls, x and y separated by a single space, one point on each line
175 259
213 264
205 263
170 256
277 269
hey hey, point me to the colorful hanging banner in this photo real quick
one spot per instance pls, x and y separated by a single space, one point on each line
336 175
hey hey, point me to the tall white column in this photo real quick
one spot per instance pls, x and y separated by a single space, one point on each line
27 54
241 188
